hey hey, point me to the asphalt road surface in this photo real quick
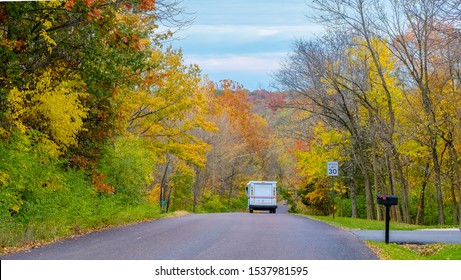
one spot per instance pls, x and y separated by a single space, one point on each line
236 236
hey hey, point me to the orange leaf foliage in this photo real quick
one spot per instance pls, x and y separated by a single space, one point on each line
94 14
89 3
101 187
69 4
146 5
251 127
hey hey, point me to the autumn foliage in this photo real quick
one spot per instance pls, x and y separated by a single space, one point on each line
99 116
90 107
379 93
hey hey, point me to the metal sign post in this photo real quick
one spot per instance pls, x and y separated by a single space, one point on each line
332 171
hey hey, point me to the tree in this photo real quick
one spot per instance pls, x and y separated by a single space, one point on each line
415 43
326 145
392 87
53 108
313 76
237 148
103 43
161 106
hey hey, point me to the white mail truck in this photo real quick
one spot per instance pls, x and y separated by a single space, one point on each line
262 195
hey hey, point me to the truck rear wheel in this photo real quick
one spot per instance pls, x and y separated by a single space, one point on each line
251 210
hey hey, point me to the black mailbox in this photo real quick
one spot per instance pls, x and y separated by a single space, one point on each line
387 199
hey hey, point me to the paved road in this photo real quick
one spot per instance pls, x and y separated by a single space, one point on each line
452 236
214 237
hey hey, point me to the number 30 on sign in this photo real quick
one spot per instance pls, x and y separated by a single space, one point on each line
332 168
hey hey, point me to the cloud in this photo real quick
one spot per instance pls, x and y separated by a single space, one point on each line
257 62
254 12
243 40
268 32
214 33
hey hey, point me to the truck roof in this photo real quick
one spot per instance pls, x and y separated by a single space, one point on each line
263 182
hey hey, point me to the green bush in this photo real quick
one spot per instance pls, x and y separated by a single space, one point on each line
128 164
182 181
212 203
239 203
42 200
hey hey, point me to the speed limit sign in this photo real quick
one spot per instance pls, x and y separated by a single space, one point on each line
332 168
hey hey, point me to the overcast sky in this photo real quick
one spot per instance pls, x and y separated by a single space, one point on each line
243 40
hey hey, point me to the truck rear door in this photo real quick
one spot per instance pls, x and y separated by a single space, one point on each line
263 194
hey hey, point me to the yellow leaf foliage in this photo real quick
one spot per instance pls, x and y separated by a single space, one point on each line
327 145
376 94
52 107
166 106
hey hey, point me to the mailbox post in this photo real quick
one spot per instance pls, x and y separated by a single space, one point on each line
388 201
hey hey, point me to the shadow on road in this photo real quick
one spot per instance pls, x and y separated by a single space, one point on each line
282 208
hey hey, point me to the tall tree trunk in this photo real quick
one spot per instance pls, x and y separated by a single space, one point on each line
368 195
359 157
353 195
352 191
454 204
438 182
170 189
404 201
162 195
395 211
459 205
420 218
196 188
455 181
194 206
375 173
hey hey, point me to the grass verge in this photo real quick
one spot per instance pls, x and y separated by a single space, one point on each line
355 223
436 251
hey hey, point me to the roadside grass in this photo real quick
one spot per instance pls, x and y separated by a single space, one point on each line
436 251
395 251
355 223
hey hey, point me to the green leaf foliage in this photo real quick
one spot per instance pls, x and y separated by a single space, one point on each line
129 166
